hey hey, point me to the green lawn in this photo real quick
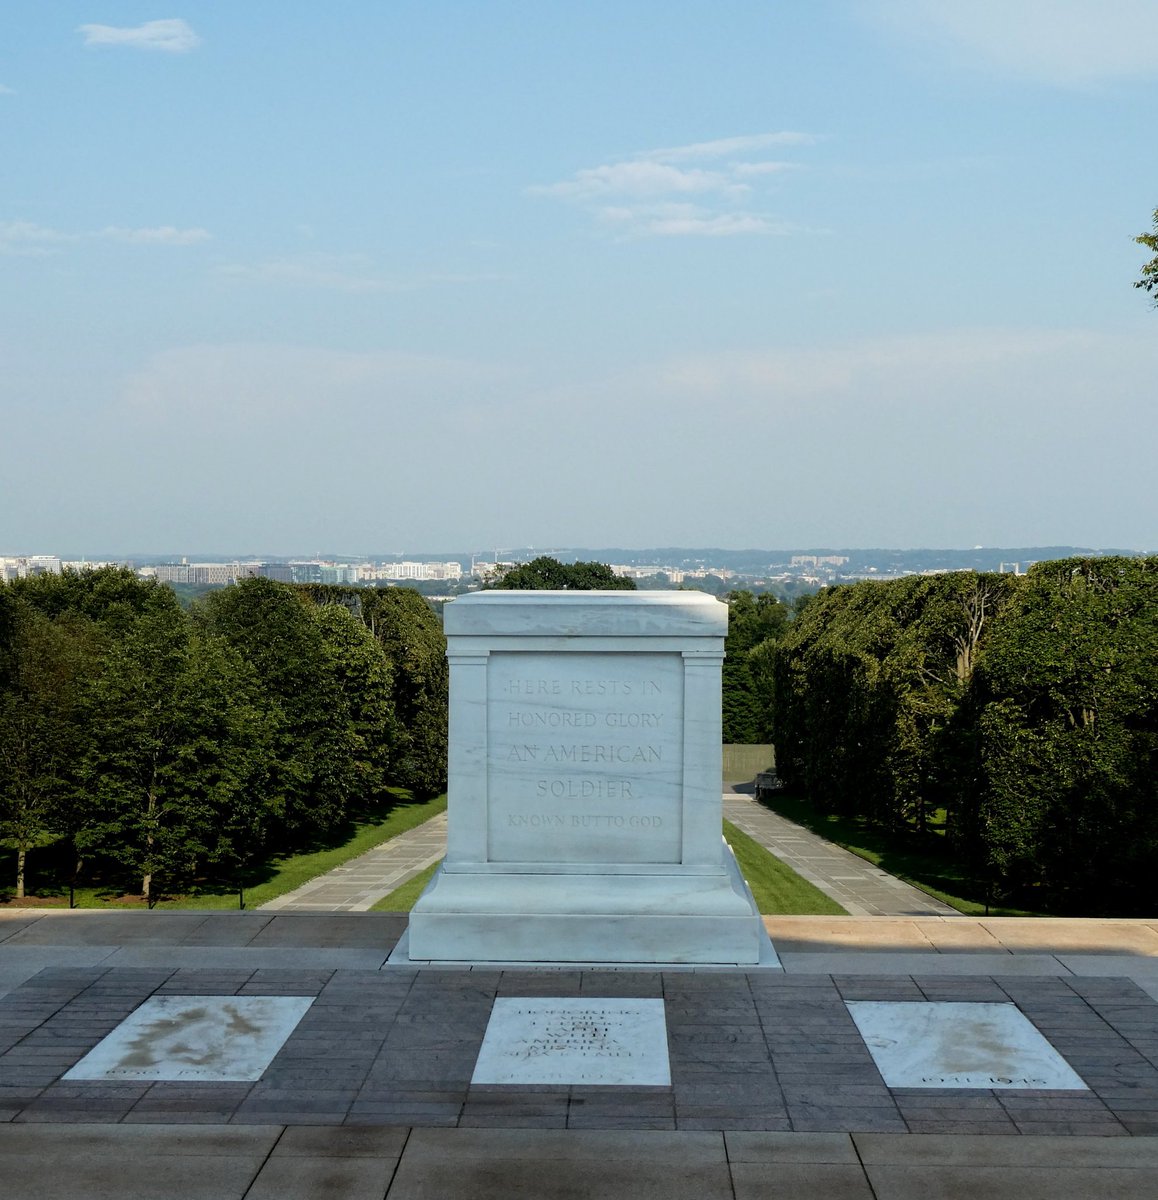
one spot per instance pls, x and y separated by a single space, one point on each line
401 899
919 860
282 874
776 888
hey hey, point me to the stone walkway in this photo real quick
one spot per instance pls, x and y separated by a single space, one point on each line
856 885
364 880
774 1092
859 887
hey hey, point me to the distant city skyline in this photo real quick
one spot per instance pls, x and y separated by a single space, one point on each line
844 273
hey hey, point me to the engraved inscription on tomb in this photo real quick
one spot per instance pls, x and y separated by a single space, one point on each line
575 1040
585 757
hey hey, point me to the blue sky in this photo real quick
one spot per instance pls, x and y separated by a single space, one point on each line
278 277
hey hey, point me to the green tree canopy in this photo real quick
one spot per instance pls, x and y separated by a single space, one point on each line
546 573
1066 710
39 730
176 750
754 625
314 775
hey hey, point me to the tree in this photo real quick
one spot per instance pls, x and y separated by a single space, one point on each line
1065 798
868 682
38 730
364 681
1149 280
545 573
411 637
752 622
312 777
173 774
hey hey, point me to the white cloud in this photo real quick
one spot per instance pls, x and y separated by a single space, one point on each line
1066 42
637 178
687 220
351 273
729 147
161 235
174 36
646 195
334 272
27 238
744 170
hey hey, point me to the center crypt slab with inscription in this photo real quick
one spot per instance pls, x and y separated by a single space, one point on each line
584 796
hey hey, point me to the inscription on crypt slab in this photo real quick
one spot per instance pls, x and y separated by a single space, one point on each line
585 757
575 1040
959 1044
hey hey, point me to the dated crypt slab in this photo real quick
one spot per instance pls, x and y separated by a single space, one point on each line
195 1039
584 798
960 1044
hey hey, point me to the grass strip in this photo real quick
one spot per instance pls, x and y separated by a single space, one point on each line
402 898
281 875
293 871
776 887
918 860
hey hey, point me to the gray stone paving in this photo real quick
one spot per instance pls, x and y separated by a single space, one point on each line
255 1162
859 887
773 1091
364 880
755 1051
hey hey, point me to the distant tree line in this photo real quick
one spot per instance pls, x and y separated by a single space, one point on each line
166 746
1024 710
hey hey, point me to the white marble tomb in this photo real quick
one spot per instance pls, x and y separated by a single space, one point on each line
575 1040
959 1044
584 796
195 1039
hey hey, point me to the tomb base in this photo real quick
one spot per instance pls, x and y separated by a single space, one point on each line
586 918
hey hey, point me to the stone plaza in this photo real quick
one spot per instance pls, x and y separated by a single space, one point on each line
773 1088
585 1001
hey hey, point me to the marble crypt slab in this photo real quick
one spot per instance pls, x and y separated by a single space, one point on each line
195 1039
575 1040
959 1044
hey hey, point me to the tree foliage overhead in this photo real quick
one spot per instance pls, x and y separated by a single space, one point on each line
1149 280
546 573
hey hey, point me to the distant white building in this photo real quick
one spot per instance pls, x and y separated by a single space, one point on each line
202 573
21 566
817 560
419 571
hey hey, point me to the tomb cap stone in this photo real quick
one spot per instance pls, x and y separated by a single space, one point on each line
582 614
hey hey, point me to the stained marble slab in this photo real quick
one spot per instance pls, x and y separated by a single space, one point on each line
195 1039
955 1044
575 1040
